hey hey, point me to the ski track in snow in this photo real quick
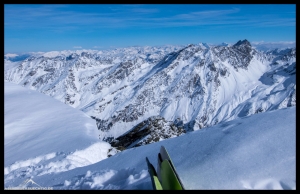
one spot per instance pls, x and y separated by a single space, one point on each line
108 180
57 162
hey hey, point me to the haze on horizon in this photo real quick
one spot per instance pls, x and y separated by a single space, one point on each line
48 27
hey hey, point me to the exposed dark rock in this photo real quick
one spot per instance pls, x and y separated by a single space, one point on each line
125 84
152 130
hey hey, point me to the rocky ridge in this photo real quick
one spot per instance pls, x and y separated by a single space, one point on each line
198 85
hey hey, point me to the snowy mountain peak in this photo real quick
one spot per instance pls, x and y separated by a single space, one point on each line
200 85
204 45
16 57
59 152
224 44
244 42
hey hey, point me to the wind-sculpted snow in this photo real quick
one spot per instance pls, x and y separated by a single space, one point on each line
49 146
59 162
200 85
39 142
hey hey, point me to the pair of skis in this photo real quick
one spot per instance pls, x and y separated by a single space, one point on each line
166 177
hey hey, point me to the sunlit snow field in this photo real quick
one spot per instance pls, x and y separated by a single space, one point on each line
57 147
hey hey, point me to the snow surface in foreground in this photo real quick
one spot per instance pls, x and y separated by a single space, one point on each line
39 129
47 141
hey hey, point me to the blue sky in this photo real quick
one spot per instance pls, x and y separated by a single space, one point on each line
49 27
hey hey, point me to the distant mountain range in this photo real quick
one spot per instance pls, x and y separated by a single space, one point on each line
139 95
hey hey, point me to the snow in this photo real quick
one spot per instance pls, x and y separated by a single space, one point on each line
9 64
11 55
54 146
42 126
266 46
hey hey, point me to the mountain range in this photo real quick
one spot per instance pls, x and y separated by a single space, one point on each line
141 95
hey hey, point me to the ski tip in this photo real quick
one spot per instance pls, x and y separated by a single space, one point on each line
163 148
147 160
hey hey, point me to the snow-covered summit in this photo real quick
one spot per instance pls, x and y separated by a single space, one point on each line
197 84
211 106
224 44
267 46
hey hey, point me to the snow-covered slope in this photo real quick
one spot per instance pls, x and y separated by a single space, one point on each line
38 128
48 145
196 85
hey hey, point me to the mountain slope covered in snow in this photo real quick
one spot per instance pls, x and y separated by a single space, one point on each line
192 87
48 145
